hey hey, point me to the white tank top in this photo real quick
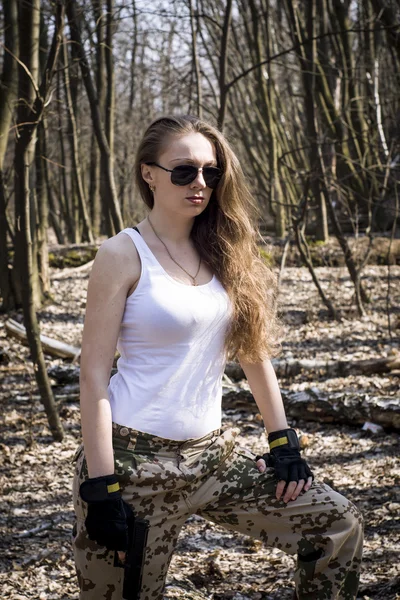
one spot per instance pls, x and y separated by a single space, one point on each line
169 379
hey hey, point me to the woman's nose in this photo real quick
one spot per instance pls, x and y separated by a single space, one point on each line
199 181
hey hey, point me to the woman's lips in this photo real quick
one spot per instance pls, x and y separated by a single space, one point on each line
195 199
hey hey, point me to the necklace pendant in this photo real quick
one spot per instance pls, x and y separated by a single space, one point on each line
194 282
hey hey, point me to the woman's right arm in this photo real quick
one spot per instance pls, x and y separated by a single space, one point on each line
112 275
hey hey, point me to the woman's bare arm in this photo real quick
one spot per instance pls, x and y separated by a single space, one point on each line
116 267
265 389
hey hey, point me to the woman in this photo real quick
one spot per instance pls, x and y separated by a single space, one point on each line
178 295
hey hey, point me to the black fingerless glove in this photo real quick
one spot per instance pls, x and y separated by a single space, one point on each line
284 456
108 515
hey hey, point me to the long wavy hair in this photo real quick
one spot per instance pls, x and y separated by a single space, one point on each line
225 235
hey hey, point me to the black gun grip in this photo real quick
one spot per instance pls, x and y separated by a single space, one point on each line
133 567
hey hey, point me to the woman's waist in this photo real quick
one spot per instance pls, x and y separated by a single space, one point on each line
155 374
143 442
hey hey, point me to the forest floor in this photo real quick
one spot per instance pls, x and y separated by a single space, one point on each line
36 515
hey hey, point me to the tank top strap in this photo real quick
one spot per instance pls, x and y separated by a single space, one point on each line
146 256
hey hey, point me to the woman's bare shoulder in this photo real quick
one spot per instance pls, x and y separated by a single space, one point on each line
119 257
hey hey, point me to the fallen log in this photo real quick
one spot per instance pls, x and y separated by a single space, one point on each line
64 273
315 405
283 369
311 404
327 369
50 346
71 256
38 528
68 374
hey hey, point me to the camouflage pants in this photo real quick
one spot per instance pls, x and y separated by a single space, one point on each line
166 481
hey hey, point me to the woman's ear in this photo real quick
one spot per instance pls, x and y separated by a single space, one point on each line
147 174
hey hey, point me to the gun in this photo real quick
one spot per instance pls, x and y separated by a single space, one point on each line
134 560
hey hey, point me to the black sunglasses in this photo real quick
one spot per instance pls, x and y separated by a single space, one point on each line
185 174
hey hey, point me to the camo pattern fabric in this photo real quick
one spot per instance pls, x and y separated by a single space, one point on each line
166 481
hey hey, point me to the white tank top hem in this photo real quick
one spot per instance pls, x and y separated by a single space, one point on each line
171 342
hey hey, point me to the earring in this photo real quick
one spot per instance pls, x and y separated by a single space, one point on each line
152 188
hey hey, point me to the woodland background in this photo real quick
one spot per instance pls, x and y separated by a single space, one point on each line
308 93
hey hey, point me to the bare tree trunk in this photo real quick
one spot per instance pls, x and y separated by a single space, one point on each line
386 13
362 150
8 86
62 179
305 255
132 81
110 96
42 213
6 282
223 63
94 186
360 294
29 115
125 167
194 23
53 217
307 58
29 35
9 76
76 163
96 117
97 178
266 100
309 74
109 116
41 223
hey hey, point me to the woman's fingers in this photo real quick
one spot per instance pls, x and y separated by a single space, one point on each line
121 556
261 465
298 489
293 489
279 488
308 484
292 485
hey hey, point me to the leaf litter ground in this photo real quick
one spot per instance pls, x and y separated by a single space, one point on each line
210 562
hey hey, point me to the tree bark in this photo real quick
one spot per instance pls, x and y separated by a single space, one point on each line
125 185
388 17
194 23
31 116
9 77
95 200
98 187
29 35
304 253
307 58
62 179
96 117
42 213
266 100
76 163
223 63
53 216
8 96
110 94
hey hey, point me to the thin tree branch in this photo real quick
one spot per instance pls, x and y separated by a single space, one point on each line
23 65
298 47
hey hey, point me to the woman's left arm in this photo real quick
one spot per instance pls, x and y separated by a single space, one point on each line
265 389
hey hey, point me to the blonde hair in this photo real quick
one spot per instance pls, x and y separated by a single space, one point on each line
225 235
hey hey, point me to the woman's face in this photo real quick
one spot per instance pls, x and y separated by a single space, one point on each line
190 200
